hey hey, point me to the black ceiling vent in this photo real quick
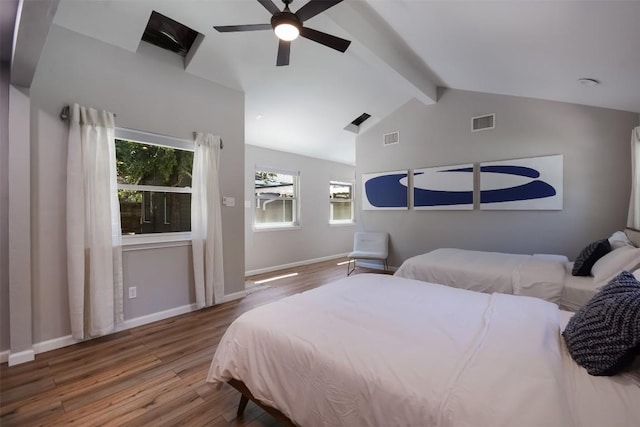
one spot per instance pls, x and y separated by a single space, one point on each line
168 34
361 119
354 126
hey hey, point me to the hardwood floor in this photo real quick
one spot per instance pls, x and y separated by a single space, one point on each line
150 375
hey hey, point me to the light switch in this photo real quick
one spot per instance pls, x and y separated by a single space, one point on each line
229 201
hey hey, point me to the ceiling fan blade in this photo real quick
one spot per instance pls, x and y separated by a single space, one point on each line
315 7
250 27
270 6
284 49
326 39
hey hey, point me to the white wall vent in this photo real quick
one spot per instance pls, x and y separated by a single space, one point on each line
485 122
391 138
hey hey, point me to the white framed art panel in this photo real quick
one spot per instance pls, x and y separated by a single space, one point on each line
533 183
385 190
443 188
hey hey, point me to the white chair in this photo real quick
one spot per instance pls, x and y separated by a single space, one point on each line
368 245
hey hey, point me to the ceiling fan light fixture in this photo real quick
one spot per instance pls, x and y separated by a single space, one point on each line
287 31
286 25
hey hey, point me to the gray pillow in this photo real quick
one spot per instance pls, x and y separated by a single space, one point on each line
604 335
589 255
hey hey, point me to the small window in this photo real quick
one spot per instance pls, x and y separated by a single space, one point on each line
154 185
341 202
276 198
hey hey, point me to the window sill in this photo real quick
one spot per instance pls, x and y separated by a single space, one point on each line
155 240
342 224
276 228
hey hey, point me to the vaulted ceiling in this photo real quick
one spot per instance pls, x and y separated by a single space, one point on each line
401 49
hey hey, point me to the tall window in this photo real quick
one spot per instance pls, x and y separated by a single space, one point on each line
276 198
341 202
154 183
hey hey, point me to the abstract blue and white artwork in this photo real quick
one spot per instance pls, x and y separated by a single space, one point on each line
523 184
386 190
443 188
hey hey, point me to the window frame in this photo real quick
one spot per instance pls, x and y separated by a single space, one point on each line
269 226
351 200
165 141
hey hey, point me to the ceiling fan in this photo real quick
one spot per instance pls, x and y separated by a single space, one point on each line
288 26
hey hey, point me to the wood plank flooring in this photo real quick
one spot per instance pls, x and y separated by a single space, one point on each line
150 375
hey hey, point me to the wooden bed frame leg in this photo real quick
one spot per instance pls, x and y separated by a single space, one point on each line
247 396
244 400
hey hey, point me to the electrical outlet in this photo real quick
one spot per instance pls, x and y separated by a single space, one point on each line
133 292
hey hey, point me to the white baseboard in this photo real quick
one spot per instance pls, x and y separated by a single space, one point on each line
234 296
21 357
53 344
293 264
65 341
154 317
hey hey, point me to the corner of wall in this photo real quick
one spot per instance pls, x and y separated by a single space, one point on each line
4 209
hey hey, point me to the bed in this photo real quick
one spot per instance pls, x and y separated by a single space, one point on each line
544 276
577 290
379 350
531 275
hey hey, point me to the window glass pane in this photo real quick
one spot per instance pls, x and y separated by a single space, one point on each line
275 198
340 191
341 211
270 185
145 164
341 198
143 212
274 211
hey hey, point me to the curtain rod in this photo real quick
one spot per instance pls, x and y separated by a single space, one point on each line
64 114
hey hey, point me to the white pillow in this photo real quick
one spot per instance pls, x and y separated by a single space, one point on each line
636 274
619 239
624 258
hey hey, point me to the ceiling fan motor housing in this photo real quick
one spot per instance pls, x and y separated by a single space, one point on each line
286 17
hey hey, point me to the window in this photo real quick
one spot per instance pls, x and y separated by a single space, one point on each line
154 183
341 202
276 198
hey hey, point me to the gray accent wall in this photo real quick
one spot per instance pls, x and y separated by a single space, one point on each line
316 238
595 143
149 91
19 226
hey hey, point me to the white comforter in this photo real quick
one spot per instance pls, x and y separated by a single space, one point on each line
539 276
376 350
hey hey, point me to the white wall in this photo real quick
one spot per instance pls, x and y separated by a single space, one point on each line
4 206
596 149
315 238
149 91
